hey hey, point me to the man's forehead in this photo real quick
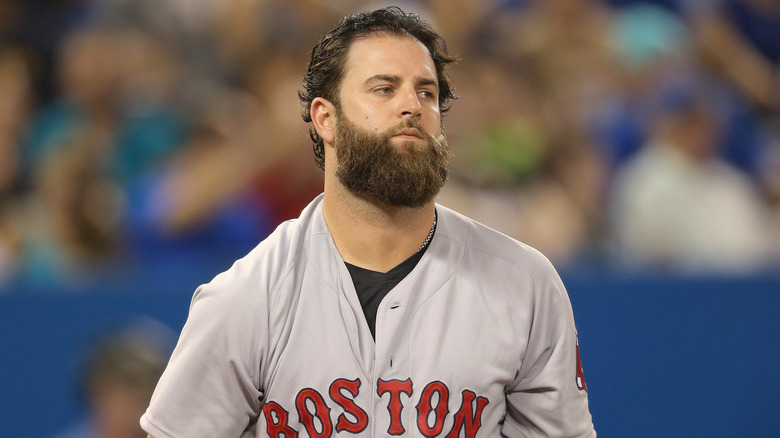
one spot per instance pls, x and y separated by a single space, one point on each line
374 54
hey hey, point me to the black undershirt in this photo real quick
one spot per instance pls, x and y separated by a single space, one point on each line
373 286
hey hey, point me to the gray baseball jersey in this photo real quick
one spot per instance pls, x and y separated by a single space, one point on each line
477 341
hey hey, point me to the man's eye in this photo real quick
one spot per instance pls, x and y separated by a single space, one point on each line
383 90
429 95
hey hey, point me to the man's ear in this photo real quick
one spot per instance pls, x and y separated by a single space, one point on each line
323 116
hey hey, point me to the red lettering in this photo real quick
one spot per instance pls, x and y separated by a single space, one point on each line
580 374
361 418
276 421
394 407
425 407
466 419
321 413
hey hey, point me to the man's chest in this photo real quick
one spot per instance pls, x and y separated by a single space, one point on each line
438 365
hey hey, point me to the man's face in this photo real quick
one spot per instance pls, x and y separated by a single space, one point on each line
389 141
388 79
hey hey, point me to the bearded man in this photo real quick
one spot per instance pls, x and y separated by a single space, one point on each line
378 312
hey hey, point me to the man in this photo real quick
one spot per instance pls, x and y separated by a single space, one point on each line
378 312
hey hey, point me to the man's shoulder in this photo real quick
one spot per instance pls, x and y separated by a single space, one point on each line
483 242
474 235
273 257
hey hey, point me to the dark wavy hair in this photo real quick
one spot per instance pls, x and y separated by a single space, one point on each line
328 57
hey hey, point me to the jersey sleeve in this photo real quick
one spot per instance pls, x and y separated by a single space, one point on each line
547 399
212 384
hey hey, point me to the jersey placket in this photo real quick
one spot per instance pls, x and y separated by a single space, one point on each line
392 375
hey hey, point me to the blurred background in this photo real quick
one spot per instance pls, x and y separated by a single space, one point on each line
145 145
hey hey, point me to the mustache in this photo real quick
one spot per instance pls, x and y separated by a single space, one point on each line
407 124
438 140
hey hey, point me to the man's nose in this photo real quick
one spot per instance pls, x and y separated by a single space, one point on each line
410 104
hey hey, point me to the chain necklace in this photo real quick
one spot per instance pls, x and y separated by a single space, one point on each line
430 233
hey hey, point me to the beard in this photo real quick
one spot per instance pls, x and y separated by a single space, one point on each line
395 175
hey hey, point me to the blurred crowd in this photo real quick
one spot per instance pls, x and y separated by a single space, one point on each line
165 136
115 377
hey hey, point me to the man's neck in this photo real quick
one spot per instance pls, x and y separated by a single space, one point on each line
372 235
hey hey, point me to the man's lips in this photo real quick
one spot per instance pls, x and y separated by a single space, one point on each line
409 132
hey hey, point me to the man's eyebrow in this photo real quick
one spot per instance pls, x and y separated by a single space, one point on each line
394 79
383 78
426 82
